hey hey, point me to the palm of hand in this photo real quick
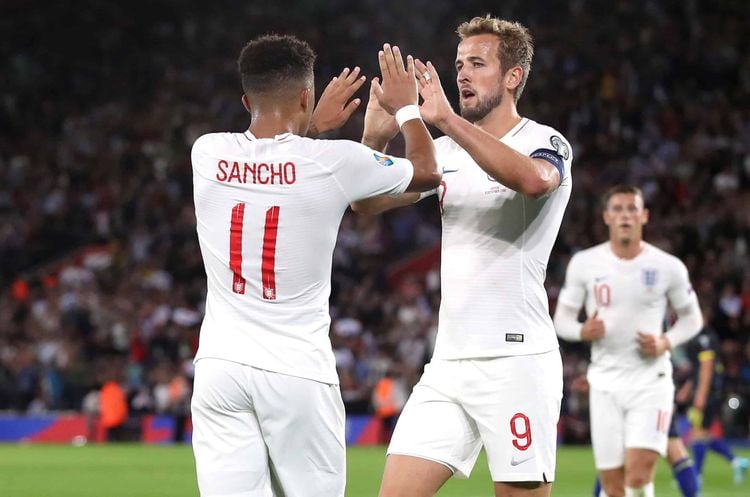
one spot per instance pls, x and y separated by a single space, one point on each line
378 120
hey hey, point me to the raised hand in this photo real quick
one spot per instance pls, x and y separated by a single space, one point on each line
334 107
399 86
435 107
593 328
380 126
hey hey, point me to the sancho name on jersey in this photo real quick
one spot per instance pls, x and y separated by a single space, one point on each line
274 173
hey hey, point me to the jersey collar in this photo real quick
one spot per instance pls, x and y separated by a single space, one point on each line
278 138
515 129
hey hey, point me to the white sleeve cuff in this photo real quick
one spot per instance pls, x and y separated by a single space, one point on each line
566 323
688 325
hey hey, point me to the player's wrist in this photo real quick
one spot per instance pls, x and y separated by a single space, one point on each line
447 121
376 141
407 113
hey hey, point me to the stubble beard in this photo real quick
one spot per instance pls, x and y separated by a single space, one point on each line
483 107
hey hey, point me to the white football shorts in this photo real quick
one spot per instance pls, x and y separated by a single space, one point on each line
510 405
629 419
257 433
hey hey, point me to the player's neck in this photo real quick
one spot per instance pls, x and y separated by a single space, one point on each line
628 250
501 119
271 124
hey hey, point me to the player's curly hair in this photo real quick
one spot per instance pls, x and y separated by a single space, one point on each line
516 44
272 62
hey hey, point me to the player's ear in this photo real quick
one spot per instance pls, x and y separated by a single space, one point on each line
513 78
645 216
305 99
246 103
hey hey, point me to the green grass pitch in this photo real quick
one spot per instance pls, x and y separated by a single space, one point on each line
155 471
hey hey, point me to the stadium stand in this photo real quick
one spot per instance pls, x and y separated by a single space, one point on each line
100 270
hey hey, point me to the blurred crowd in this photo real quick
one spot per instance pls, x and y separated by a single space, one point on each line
100 274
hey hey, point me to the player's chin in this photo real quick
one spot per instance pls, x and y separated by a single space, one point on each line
471 113
468 103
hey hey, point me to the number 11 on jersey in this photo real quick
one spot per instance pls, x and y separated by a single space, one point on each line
268 255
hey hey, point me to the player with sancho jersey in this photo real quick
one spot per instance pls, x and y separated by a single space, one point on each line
625 285
267 410
495 378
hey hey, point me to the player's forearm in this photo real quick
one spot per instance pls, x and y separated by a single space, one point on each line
566 323
420 150
374 141
689 323
533 178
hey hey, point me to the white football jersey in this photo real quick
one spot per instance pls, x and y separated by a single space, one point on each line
495 248
630 295
268 213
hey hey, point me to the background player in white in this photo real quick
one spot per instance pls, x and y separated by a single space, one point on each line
625 285
496 377
683 468
267 411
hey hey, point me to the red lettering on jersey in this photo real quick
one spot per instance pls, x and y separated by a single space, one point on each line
276 172
222 174
235 248
290 173
602 295
235 174
268 264
280 173
249 169
442 195
263 180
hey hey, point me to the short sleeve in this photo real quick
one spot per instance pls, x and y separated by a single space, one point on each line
552 147
362 172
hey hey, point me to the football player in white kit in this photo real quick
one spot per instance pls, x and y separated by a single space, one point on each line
267 412
495 379
625 285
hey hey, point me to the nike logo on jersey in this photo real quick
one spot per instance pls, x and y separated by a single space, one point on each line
446 171
516 462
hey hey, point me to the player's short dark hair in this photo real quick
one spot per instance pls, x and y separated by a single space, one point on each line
627 189
516 44
273 62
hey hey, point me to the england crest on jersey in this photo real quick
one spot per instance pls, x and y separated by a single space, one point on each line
649 277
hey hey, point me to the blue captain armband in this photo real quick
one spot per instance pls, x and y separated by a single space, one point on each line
552 157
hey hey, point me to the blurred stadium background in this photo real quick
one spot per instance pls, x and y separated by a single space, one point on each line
101 282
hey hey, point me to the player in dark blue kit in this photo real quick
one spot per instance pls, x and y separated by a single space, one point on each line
707 379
